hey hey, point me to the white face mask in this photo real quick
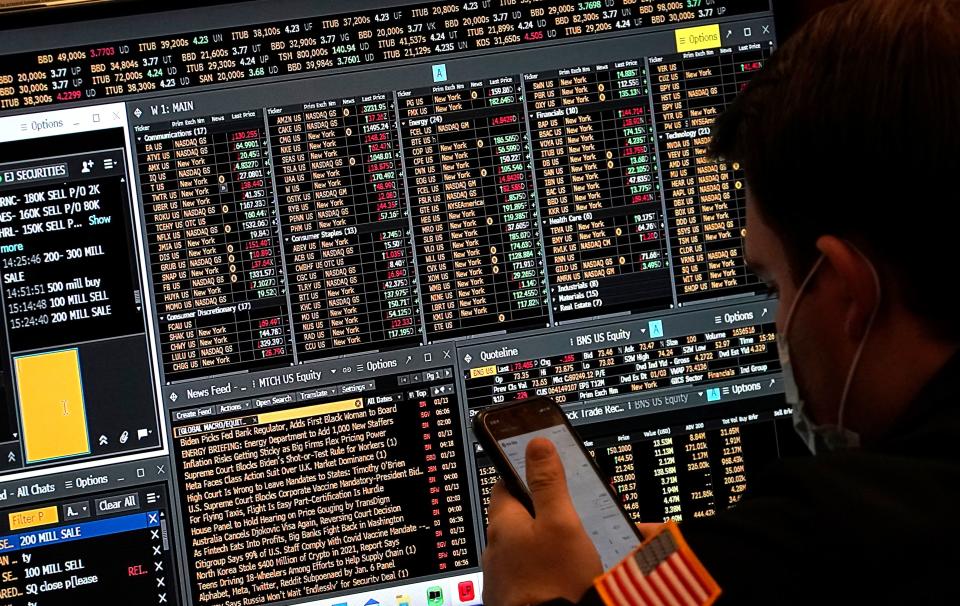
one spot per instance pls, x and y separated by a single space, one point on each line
821 438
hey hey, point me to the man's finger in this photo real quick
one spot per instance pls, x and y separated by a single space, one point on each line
500 499
546 479
505 512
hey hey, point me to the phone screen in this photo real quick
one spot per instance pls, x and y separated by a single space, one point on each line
606 524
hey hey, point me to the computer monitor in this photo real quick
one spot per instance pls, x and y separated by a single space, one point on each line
262 262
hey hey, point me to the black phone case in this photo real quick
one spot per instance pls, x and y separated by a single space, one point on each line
510 480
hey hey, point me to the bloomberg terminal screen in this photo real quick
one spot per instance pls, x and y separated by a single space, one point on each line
261 264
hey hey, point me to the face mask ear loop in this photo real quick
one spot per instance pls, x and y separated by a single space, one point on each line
863 341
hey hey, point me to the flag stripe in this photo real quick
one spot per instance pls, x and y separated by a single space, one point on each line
662 588
603 588
624 582
683 571
642 584
679 589
661 572
611 584
690 560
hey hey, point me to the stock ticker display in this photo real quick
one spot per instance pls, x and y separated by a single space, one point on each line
345 226
474 221
373 37
215 255
262 263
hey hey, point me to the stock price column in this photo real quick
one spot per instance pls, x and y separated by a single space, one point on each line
666 466
596 169
705 198
475 226
214 252
681 470
345 227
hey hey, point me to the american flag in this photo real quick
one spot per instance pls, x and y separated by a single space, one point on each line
661 572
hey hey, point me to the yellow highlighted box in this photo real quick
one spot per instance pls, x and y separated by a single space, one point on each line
483 371
698 38
52 410
310 411
34 517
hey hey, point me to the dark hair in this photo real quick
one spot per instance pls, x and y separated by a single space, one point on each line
852 129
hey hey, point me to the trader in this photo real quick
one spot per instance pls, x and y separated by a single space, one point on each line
849 139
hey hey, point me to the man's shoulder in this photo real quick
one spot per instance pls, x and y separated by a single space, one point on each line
824 478
850 491
843 518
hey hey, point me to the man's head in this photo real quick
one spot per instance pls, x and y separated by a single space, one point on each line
850 140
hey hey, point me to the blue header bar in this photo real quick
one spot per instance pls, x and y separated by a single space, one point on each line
78 532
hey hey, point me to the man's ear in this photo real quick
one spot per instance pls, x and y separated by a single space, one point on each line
856 283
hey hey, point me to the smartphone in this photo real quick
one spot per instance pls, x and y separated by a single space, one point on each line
504 432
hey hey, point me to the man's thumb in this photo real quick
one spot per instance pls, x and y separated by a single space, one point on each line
545 477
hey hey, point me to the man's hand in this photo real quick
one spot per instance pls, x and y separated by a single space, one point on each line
532 560
650 529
